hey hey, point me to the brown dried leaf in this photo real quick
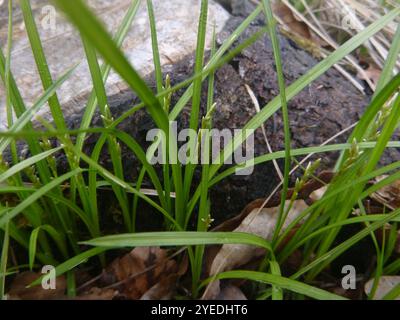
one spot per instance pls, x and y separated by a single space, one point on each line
288 18
386 284
163 290
389 195
140 270
19 290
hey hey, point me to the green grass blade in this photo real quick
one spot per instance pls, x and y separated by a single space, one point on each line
56 236
41 62
154 46
355 220
10 120
369 115
92 102
278 281
32 246
54 103
114 148
178 239
390 63
159 85
199 61
96 34
211 66
343 189
393 294
197 89
204 217
277 293
139 153
158 239
3 262
271 22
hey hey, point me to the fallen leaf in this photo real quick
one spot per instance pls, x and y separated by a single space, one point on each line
163 290
290 21
19 291
389 195
385 285
141 269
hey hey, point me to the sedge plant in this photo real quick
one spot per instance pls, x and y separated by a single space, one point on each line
56 206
